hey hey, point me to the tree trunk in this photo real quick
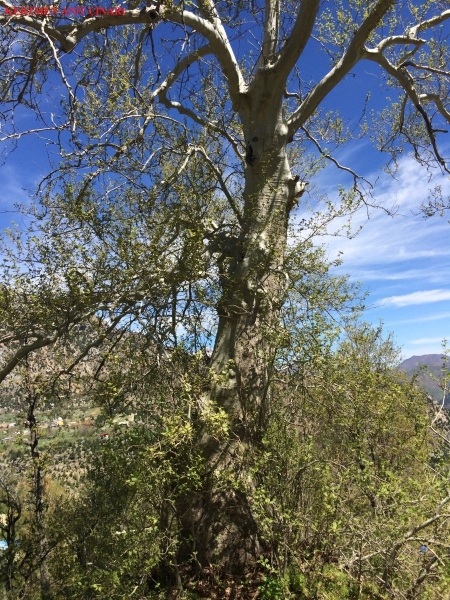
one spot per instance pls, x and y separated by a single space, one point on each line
38 501
251 275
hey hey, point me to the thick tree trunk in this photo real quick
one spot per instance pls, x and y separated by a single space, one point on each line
252 280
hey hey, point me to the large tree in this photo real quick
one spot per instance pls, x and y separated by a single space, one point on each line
186 134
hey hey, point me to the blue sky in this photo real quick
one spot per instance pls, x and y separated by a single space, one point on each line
402 260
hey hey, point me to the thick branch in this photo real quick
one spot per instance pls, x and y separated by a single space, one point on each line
424 25
271 32
352 55
295 44
439 104
215 33
23 351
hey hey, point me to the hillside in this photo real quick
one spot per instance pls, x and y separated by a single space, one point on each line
429 371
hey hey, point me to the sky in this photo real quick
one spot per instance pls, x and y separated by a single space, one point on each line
403 261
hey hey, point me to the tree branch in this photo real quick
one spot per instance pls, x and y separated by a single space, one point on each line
439 104
215 33
331 158
222 183
161 93
411 534
406 82
70 36
271 32
350 57
23 351
409 63
424 25
296 42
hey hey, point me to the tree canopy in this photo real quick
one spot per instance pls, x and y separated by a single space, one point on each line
160 269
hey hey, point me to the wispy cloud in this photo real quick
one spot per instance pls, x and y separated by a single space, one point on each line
397 274
421 341
424 297
423 319
402 260
386 240
408 351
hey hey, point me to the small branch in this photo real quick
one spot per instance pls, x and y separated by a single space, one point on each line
69 36
333 160
161 94
95 344
405 81
215 33
412 533
222 183
60 68
409 63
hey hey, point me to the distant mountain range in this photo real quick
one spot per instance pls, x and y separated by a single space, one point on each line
429 371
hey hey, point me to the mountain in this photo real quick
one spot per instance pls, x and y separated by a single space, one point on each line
428 369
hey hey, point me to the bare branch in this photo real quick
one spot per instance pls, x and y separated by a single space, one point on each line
439 104
70 36
409 63
215 33
407 83
412 533
331 158
222 183
161 93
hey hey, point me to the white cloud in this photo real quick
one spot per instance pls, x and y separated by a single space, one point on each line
388 240
390 273
422 341
407 352
424 297
433 317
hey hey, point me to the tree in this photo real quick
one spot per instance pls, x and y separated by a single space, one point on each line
10 502
185 142
345 494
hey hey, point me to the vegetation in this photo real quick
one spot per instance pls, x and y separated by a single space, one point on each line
276 452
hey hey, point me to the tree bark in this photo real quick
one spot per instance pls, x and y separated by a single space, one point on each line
223 530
